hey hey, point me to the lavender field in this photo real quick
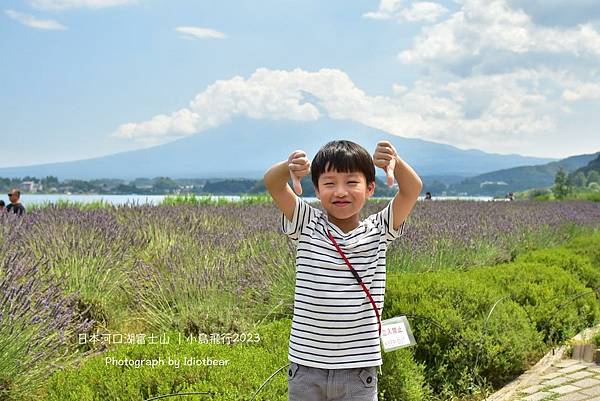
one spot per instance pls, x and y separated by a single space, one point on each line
66 271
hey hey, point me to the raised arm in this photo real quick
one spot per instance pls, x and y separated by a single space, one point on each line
276 181
409 183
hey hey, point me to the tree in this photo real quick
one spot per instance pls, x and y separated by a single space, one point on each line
578 179
561 187
50 180
435 187
165 185
593 176
33 179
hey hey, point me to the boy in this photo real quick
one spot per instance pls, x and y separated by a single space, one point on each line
334 346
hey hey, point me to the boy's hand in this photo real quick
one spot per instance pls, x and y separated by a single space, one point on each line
385 157
299 166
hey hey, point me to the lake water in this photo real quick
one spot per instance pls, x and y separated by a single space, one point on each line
156 199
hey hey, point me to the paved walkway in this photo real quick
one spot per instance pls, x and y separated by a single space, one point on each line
564 380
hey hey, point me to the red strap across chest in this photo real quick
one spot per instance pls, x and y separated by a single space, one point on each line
357 277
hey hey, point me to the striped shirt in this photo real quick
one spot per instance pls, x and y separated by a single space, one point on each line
334 325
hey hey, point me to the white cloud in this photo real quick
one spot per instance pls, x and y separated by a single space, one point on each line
418 11
398 89
482 27
500 75
266 94
56 5
200 33
558 12
162 128
582 91
387 10
495 113
33 22
424 11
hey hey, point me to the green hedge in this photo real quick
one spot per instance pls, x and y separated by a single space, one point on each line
552 296
588 246
568 259
249 365
448 311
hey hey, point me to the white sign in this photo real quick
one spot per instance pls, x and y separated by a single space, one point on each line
396 333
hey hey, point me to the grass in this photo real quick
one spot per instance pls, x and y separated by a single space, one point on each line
447 253
66 203
193 199
544 194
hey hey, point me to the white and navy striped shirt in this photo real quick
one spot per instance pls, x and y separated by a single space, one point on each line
334 325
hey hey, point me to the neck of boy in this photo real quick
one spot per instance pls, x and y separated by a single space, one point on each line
346 225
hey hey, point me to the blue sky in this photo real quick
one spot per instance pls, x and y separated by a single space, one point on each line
84 78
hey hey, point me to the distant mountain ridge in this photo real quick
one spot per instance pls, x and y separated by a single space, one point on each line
246 148
592 165
520 178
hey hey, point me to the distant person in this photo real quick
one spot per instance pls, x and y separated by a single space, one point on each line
427 195
510 196
2 204
15 205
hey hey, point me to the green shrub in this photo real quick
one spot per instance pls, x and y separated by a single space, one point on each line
568 260
596 339
544 291
250 364
447 311
403 379
588 246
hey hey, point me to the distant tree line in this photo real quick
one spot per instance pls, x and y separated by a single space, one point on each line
565 183
156 186
143 186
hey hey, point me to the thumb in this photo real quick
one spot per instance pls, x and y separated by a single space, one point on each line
296 184
390 173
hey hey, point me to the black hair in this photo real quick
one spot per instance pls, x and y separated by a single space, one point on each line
2 204
342 156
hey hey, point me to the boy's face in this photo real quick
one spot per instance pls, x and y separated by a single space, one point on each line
343 194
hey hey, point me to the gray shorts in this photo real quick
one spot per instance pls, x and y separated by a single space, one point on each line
306 383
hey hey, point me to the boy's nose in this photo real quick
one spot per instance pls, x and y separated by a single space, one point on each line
340 191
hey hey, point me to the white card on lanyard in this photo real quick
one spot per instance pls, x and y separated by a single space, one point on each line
396 333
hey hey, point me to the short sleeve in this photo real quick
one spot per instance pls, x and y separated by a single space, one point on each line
303 214
385 217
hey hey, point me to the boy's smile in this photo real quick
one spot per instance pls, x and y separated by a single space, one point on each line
343 195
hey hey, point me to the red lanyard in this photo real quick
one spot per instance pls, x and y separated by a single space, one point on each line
357 277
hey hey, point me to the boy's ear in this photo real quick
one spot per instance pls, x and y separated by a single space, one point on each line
371 188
